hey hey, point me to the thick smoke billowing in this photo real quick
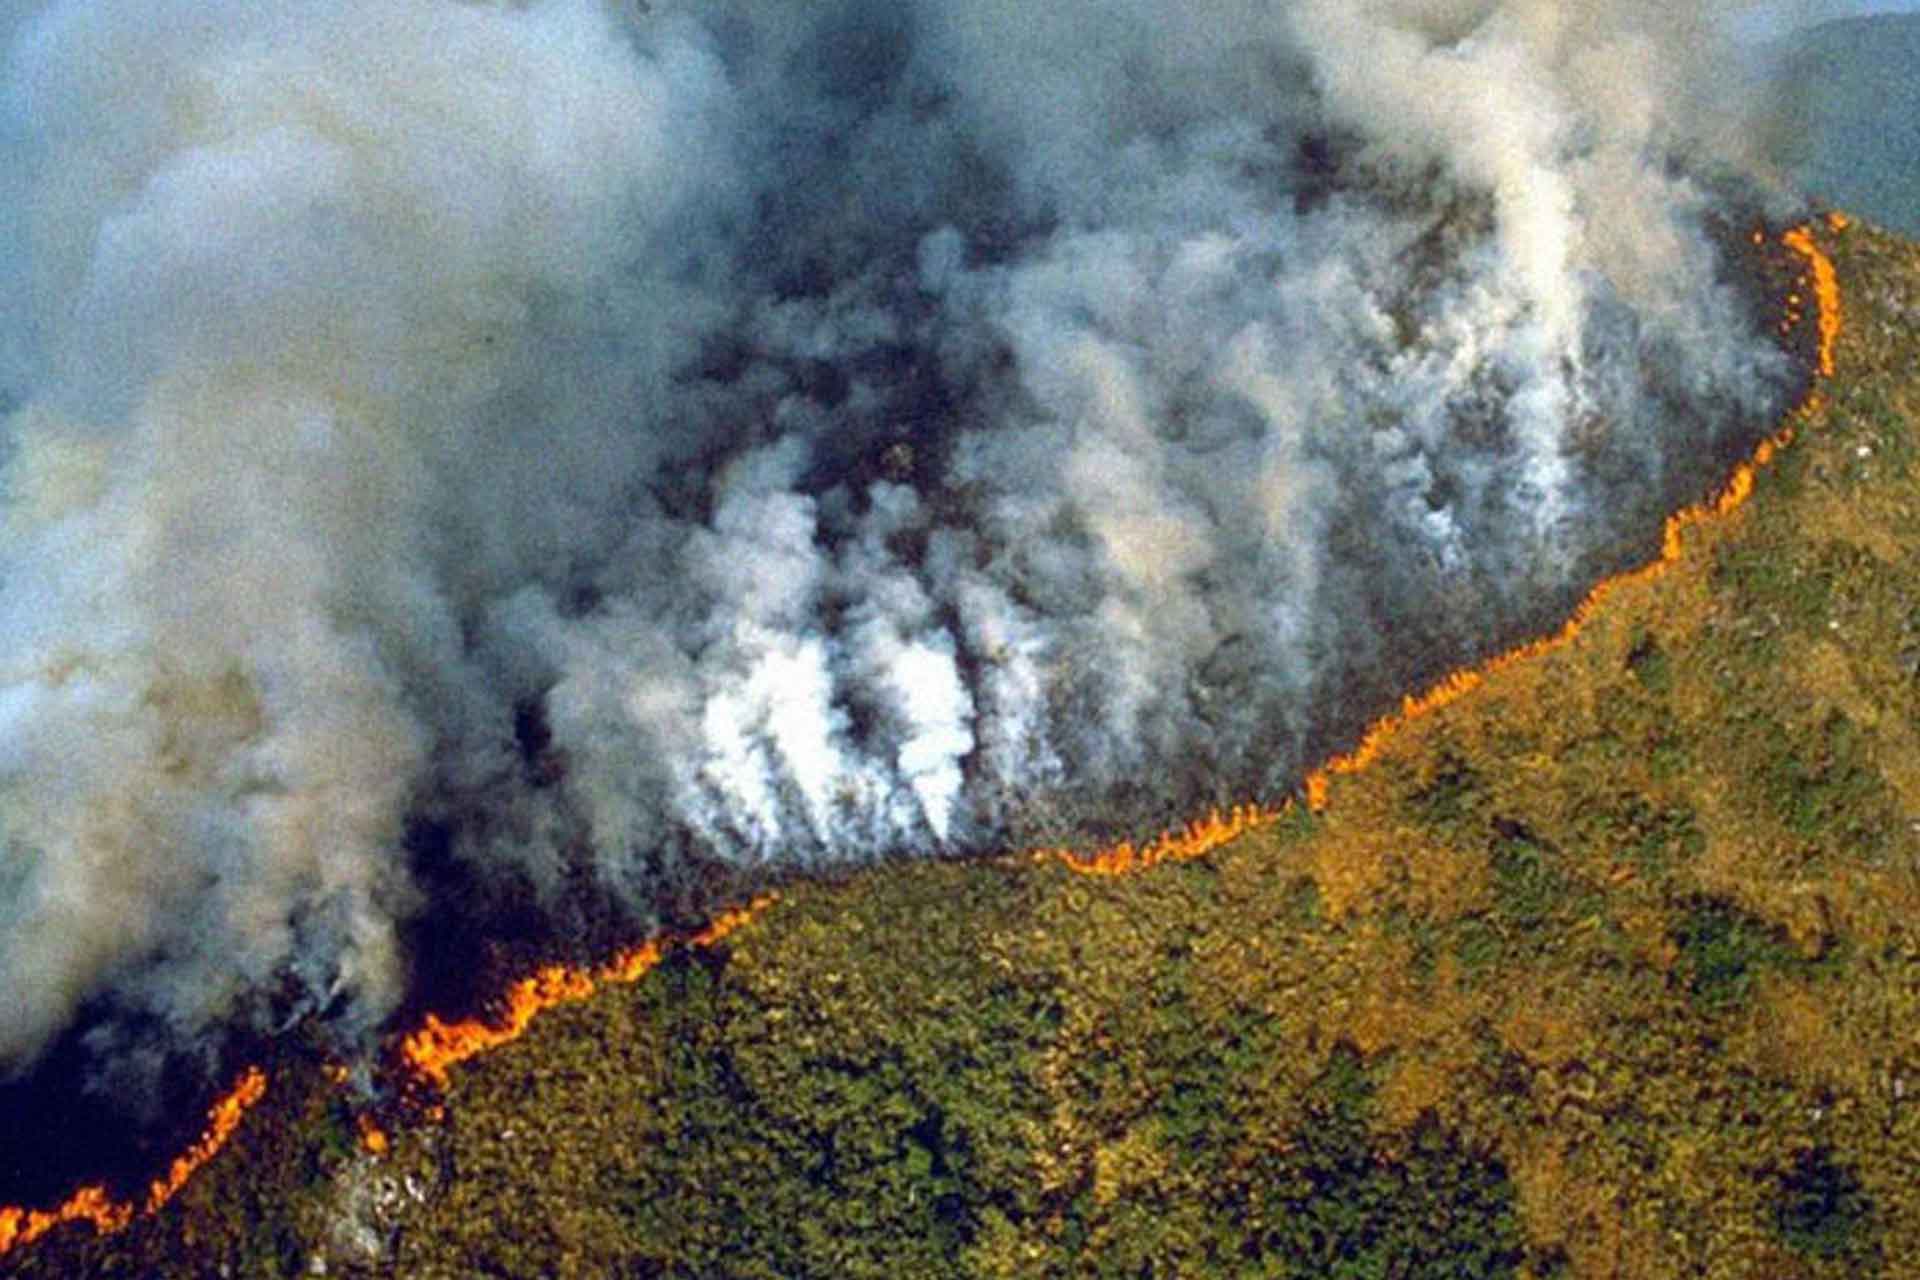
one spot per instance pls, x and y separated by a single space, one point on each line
749 434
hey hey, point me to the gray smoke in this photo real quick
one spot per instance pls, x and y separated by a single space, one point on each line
754 435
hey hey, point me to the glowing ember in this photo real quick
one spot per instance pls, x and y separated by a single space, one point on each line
93 1204
373 1139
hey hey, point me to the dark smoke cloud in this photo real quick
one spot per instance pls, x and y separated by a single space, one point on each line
748 434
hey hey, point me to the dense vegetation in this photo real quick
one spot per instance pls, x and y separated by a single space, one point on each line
1611 968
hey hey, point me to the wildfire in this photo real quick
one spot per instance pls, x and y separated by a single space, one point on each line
1457 685
222 1120
93 1204
431 1051
1218 828
438 1045
1739 486
1194 840
1826 286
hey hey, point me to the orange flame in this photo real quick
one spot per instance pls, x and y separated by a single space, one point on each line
93 1204
1195 840
373 1139
222 1120
438 1045
1826 286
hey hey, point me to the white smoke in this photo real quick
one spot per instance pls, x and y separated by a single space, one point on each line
742 434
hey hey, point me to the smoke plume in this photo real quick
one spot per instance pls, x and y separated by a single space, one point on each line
563 449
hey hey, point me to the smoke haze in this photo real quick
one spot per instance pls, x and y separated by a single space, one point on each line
605 445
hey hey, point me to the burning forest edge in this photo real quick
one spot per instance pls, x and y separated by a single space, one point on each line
420 1059
568 469
533 483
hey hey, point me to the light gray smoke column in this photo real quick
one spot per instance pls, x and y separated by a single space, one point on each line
753 434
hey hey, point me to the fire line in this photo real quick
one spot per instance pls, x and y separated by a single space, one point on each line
93 1204
429 1052
437 1045
1198 838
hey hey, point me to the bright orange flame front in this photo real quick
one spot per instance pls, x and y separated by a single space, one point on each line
93 1204
1195 840
1826 285
439 1045
1456 686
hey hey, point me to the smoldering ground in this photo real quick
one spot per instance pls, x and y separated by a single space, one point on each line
476 465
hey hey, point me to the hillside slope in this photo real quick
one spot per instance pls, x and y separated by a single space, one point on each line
1609 968
1852 115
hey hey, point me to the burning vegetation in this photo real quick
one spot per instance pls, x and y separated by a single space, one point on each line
423 1057
95 1206
567 470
